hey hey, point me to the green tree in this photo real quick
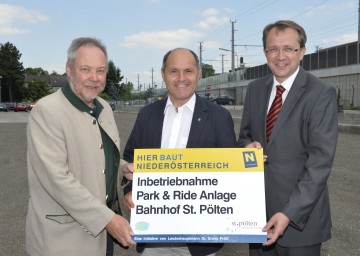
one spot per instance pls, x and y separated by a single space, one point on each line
54 73
36 90
125 90
113 79
12 72
207 70
36 71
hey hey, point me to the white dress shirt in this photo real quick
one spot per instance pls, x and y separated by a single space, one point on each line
177 123
286 84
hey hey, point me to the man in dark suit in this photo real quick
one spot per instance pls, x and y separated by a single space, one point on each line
299 145
181 120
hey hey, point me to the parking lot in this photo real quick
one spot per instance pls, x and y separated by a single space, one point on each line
343 185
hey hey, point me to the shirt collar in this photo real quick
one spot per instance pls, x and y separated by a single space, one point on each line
288 82
79 104
190 104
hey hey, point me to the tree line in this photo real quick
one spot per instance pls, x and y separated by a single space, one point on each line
14 89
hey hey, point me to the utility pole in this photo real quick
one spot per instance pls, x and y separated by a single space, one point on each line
200 54
220 60
138 80
233 51
222 63
152 77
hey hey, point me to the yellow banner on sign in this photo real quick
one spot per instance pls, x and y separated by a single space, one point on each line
199 160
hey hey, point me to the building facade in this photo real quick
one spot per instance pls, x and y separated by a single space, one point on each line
338 65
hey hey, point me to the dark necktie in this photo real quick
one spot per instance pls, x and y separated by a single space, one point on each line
274 111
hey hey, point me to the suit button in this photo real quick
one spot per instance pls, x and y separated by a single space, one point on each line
101 146
94 121
104 171
106 197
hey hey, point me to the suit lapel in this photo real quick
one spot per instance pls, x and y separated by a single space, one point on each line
263 105
295 93
157 121
198 122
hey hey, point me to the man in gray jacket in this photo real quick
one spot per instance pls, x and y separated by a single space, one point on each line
73 160
299 135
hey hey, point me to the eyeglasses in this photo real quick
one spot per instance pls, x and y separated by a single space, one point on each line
285 50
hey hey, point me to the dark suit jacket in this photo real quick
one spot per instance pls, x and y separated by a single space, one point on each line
211 127
300 154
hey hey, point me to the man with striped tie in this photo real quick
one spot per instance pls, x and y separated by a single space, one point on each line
292 115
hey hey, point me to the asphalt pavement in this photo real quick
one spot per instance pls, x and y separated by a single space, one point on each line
343 184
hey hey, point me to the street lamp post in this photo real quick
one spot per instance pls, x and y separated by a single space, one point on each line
232 58
232 68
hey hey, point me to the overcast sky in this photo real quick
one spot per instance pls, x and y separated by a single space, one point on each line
138 33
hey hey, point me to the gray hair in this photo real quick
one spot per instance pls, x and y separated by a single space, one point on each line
282 25
84 41
166 56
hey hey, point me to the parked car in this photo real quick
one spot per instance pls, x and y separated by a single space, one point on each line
223 100
32 104
112 105
22 107
11 105
151 100
3 107
137 102
207 96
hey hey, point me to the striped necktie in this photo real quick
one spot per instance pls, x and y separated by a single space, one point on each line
274 111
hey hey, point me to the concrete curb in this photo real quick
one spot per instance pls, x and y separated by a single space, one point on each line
349 128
